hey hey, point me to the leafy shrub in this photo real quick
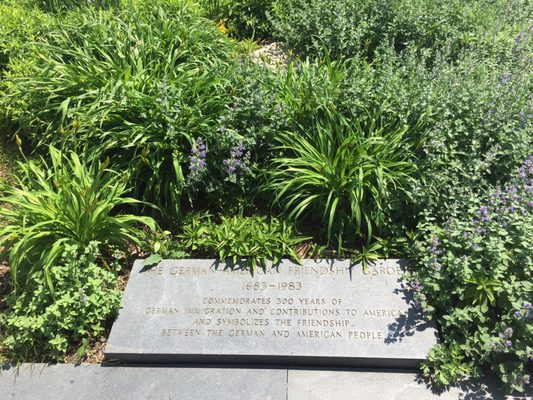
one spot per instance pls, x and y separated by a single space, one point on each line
473 276
138 85
45 326
254 240
345 174
347 28
241 18
342 27
62 204
479 124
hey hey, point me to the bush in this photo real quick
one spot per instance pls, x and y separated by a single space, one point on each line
479 127
347 28
253 241
45 326
64 204
473 276
347 175
241 18
138 85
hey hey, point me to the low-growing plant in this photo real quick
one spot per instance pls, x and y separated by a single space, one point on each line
254 241
64 203
473 276
345 174
41 326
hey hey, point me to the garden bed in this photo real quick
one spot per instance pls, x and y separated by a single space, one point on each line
393 128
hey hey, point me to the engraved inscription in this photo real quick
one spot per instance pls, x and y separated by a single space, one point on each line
281 317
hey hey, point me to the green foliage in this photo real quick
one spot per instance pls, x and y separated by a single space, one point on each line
339 27
137 85
45 326
346 174
473 277
20 24
347 28
254 241
479 125
241 18
57 6
64 203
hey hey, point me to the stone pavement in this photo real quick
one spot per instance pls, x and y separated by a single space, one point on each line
92 381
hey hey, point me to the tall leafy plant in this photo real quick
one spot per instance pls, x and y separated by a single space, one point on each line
64 203
65 5
137 85
346 174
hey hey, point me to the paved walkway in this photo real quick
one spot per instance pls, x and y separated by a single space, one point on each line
100 382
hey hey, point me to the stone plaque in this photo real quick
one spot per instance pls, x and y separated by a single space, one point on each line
319 313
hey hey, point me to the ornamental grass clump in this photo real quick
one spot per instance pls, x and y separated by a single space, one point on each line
65 203
473 276
344 174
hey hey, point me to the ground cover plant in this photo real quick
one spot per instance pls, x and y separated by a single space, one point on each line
384 131
348 28
49 326
476 281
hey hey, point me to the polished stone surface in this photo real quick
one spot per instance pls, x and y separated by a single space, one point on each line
319 313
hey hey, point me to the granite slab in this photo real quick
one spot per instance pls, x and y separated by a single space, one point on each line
324 312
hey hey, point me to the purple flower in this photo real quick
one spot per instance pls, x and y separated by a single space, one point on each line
506 77
197 159
509 343
518 314
238 160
